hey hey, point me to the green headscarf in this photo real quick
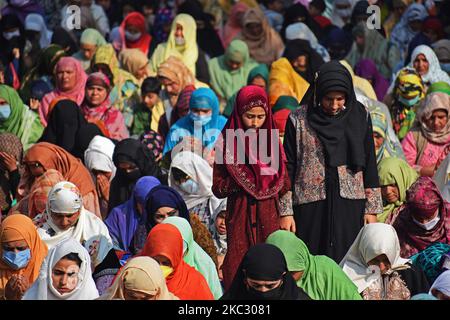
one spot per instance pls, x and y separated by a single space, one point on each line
196 257
90 37
322 278
395 171
225 81
260 70
23 122
440 86
285 102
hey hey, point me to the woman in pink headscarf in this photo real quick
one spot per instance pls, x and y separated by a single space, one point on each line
234 24
97 106
70 81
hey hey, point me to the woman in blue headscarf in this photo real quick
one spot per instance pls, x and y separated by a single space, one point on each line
127 223
163 202
409 25
203 122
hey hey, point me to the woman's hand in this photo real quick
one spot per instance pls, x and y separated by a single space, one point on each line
287 223
427 171
370 218
34 104
8 162
16 287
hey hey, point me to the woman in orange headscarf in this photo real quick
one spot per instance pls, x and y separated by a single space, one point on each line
22 252
165 245
44 156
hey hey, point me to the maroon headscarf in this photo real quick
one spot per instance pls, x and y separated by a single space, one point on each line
259 180
422 200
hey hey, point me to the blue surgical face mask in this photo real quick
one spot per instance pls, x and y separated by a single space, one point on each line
410 102
201 119
189 186
132 36
5 111
10 35
445 67
17 260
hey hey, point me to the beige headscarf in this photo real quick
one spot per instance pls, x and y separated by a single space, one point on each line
266 47
175 70
434 101
134 59
140 274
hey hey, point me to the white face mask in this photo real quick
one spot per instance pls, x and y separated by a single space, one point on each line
179 41
10 35
428 225
132 36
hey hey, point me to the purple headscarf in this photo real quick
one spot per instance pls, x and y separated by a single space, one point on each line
367 69
22 8
123 220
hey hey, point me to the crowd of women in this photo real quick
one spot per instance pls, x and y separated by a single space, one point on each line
118 179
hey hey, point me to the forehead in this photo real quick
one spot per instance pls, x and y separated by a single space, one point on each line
15 244
262 282
421 56
335 94
256 111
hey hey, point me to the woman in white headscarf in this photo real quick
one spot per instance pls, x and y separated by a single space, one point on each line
374 265
191 176
441 286
342 12
65 275
300 30
35 22
426 63
65 217
98 159
140 279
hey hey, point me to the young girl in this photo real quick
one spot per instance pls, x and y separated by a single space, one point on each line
259 197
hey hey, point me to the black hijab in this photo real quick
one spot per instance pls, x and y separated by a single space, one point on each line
84 138
298 13
66 40
342 135
207 38
299 47
264 262
133 151
65 123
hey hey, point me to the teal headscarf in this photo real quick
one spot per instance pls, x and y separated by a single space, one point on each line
260 70
196 257
322 278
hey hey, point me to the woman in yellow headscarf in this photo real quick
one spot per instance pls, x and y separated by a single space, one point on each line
285 81
182 43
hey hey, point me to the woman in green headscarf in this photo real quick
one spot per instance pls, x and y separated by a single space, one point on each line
196 257
396 176
18 119
90 40
43 70
229 72
258 76
319 276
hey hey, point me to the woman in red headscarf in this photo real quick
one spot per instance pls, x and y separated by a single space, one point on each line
254 180
134 34
165 245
